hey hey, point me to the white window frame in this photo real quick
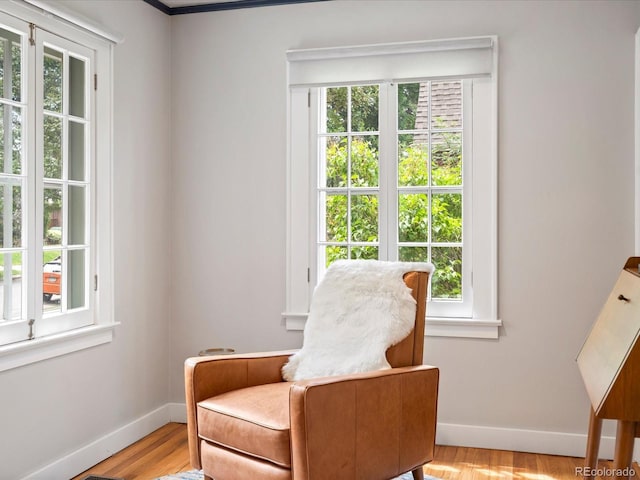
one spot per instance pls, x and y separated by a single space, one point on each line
310 69
98 328
388 190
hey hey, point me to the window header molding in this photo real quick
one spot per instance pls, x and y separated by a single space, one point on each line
389 48
460 58
50 9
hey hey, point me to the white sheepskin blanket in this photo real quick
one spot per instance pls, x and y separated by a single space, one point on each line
359 310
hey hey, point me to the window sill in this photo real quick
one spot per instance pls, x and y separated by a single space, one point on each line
31 351
462 327
435 327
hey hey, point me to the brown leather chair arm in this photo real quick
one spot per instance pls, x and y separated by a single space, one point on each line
372 425
209 376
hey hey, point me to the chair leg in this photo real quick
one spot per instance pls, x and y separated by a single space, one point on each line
418 473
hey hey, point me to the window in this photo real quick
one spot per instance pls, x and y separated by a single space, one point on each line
404 203
392 157
54 185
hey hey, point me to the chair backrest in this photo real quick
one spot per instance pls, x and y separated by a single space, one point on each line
410 350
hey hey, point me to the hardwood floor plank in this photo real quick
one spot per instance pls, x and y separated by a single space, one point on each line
166 451
501 464
162 452
473 463
440 467
524 462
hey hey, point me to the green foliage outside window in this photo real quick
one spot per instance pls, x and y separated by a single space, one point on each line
53 80
413 209
352 163
11 118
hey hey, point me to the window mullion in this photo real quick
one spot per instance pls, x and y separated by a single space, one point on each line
317 100
349 159
430 182
467 197
64 296
35 202
388 172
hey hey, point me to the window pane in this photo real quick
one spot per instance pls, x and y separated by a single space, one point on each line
446 104
364 253
408 94
10 214
10 65
413 217
52 147
53 215
11 288
337 110
446 212
77 279
53 68
51 280
413 254
336 161
77 215
364 161
336 218
364 218
446 158
76 87
335 253
10 139
413 160
447 278
76 151
364 108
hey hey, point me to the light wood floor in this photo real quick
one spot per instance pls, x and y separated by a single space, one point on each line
165 451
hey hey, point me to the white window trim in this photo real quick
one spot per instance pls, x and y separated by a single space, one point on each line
66 23
40 11
30 351
484 323
637 141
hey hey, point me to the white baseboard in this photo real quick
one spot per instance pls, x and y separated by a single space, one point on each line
84 458
520 440
534 441
178 412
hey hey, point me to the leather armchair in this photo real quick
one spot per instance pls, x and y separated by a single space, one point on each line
245 422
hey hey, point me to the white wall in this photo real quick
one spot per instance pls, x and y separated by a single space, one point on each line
565 178
54 408
200 148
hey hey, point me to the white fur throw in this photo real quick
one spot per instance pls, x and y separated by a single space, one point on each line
358 310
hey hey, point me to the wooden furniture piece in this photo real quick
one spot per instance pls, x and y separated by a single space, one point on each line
609 362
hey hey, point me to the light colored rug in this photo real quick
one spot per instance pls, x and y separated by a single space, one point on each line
197 475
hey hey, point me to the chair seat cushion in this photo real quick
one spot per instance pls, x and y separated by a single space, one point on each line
254 421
